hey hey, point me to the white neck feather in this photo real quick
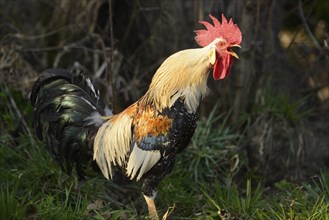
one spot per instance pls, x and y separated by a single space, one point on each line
182 75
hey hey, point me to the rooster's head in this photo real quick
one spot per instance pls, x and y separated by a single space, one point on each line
220 37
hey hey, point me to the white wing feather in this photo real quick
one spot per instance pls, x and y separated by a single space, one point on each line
142 160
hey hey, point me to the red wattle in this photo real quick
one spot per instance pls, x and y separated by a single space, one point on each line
222 67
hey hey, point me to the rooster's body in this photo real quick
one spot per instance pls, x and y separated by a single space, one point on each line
142 141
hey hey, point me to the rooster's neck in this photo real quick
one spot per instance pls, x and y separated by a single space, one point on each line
182 75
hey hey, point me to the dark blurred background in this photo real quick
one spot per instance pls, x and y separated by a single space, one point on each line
276 96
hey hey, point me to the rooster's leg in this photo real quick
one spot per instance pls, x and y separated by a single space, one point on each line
153 214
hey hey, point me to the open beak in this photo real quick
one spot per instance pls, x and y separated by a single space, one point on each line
236 45
233 53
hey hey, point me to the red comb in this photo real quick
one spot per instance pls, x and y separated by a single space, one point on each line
227 30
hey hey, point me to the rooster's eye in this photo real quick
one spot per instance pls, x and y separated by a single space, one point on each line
220 44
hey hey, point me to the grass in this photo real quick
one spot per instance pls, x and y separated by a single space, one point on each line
283 201
279 104
205 183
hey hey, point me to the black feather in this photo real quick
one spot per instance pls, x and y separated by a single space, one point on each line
62 103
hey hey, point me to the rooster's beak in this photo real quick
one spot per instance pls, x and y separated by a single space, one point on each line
233 53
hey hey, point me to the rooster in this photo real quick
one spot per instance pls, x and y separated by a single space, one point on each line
142 141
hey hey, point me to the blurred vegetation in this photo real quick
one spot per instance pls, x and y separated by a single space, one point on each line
261 148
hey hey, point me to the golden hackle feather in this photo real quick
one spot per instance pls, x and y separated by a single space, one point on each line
183 74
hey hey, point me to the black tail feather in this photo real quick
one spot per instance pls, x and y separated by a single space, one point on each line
62 103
